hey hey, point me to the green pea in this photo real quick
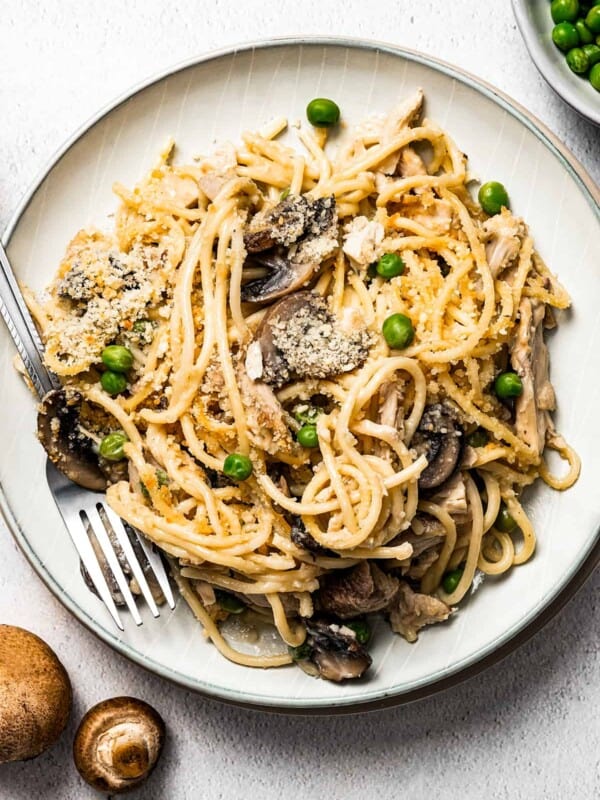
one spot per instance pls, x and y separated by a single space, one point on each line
117 358
505 521
323 113
307 414
595 77
111 447
398 331
390 265
508 384
578 61
307 436
113 382
361 629
592 51
598 40
478 438
237 466
565 36
593 19
564 10
585 34
300 653
229 602
492 197
451 580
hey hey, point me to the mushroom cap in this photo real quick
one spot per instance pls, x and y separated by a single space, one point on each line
118 744
35 695
300 337
334 653
440 438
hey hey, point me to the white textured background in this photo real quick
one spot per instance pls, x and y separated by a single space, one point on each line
526 728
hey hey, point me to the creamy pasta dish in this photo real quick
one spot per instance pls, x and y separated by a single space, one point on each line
315 376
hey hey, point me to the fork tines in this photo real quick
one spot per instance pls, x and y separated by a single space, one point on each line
110 550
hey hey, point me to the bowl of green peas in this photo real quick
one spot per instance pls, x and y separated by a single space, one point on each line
563 39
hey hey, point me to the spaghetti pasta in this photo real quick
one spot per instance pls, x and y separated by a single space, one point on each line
253 313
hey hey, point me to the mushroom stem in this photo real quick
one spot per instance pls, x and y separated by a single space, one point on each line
118 744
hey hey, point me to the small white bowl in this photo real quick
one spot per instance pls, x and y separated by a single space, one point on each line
535 23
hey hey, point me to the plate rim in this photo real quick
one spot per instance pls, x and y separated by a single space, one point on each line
479 661
541 60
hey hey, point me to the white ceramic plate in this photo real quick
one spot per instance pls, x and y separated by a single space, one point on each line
213 100
535 23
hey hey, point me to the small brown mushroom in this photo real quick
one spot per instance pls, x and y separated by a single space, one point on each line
118 744
332 651
440 438
35 695
67 447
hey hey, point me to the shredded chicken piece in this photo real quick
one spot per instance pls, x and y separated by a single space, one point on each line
425 535
363 241
409 612
421 543
452 495
529 359
266 424
254 361
503 235
421 564
218 169
431 212
410 163
403 116
179 190
206 592
391 410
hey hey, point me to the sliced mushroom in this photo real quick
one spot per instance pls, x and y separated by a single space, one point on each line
291 241
274 366
440 438
288 221
411 611
284 276
333 652
299 337
69 449
302 538
35 695
118 744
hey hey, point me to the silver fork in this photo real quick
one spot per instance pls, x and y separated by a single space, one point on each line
84 513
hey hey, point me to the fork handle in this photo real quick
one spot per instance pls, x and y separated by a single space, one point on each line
22 328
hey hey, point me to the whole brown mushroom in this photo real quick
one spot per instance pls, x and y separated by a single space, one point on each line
35 695
118 744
